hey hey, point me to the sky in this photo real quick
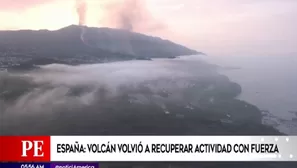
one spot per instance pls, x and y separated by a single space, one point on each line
216 27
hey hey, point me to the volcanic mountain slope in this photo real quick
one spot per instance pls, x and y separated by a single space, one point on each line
86 44
121 41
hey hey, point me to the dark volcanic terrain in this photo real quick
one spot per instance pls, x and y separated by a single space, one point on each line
80 44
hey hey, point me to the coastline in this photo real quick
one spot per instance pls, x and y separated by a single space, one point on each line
273 93
257 110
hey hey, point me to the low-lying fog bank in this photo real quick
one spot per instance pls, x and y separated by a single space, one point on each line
163 96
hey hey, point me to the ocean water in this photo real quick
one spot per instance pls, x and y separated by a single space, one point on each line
269 82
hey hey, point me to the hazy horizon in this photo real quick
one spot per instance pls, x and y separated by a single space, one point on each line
224 27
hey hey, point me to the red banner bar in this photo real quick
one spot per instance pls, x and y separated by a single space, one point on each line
24 148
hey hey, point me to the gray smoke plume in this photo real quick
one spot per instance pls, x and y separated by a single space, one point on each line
131 15
81 9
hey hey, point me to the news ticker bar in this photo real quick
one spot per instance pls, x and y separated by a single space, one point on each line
50 165
147 148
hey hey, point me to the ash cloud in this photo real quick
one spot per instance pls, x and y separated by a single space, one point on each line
81 9
56 87
131 15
